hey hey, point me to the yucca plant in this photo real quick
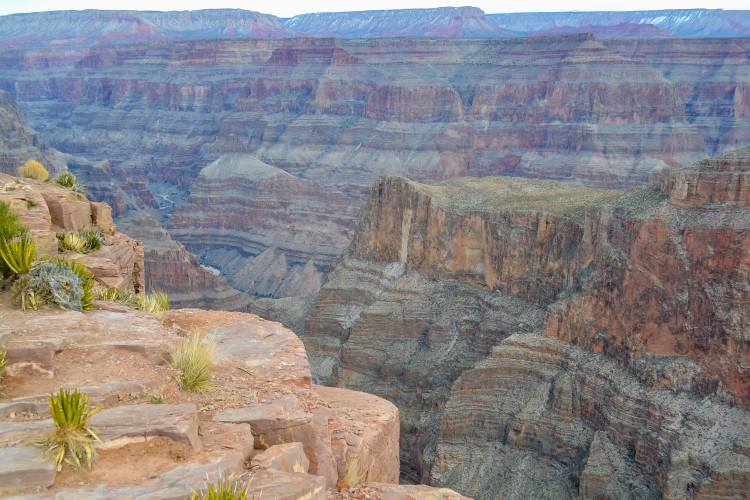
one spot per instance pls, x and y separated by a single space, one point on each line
73 440
93 238
87 283
18 254
71 242
71 182
193 358
10 229
224 490
34 170
3 363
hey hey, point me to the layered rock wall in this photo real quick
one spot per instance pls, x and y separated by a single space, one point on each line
338 113
625 310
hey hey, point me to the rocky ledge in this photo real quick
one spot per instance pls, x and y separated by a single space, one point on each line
262 420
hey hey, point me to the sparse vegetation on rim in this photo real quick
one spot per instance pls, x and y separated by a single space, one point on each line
70 181
10 229
153 302
193 358
228 489
32 169
73 440
83 241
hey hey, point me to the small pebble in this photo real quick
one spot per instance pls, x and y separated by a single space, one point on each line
153 476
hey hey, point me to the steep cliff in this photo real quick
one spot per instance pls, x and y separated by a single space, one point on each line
335 114
544 341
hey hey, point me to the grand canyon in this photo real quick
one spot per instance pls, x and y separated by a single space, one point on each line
528 232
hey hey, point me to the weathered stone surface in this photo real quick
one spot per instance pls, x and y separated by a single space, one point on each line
412 492
176 422
288 457
285 486
24 467
371 423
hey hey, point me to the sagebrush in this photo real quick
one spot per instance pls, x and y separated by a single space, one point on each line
67 285
73 440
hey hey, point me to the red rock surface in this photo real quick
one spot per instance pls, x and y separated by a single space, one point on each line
642 295
54 209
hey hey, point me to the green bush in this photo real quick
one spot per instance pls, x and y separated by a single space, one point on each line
73 440
193 358
67 285
225 490
32 169
71 182
18 255
10 229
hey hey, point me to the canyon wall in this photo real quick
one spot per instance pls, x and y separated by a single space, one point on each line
335 114
546 341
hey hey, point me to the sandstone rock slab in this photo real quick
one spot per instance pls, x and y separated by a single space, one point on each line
122 424
288 457
24 467
279 485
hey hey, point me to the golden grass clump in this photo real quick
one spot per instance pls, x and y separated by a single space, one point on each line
32 169
73 440
153 302
193 358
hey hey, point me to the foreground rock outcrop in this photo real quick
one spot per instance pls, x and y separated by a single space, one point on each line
263 420
544 341
49 209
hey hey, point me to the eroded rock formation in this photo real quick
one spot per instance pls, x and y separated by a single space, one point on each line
567 341
335 114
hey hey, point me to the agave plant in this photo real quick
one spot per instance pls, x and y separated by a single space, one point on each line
71 242
225 490
73 440
18 254
71 182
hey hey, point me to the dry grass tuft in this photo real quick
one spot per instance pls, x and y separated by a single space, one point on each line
193 358
32 169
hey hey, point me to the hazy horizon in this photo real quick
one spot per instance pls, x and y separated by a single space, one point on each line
290 9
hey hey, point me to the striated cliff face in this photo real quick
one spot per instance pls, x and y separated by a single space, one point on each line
335 114
545 341
270 232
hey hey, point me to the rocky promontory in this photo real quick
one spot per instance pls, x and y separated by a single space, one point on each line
262 421
577 342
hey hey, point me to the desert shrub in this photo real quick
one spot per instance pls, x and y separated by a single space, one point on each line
83 241
32 169
153 302
67 285
71 182
193 358
10 229
30 203
73 440
18 254
224 490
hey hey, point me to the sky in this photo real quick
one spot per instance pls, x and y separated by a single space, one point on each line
289 8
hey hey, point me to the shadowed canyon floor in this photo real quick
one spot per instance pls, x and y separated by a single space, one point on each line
335 114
